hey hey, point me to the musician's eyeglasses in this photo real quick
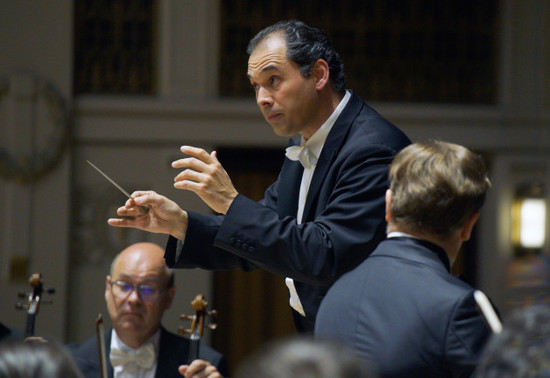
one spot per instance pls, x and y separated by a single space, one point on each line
147 293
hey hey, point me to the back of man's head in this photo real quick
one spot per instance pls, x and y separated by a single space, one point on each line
305 357
436 186
24 359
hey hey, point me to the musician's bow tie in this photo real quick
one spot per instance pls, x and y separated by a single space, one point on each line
302 154
144 356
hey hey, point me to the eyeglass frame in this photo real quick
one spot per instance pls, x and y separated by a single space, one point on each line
136 288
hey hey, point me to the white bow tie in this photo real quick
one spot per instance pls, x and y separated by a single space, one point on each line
302 154
144 356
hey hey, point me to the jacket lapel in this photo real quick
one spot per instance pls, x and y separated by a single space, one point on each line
333 144
163 358
173 352
289 179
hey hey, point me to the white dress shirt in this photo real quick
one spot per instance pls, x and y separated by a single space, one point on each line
131 369
315 145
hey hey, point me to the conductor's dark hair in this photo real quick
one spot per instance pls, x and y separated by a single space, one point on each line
305 45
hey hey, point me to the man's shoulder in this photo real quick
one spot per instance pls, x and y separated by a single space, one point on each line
170 337
82 346
85 356
10 334
369 128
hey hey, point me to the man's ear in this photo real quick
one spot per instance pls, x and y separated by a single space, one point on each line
107 286
388 204
321 73
468 226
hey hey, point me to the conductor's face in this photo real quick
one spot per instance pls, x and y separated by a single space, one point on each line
137 294
288 101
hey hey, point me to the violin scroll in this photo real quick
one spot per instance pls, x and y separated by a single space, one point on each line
199 304
34 299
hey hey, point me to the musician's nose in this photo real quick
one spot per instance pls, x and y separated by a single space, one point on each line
134 297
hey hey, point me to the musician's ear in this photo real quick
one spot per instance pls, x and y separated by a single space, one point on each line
107 286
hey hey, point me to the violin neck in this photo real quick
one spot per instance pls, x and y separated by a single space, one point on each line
194 344
29 328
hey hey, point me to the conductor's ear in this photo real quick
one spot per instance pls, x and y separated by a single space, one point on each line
321 73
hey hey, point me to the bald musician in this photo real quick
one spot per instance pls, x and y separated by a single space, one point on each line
138 290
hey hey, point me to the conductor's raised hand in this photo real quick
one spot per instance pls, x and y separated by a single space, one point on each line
204 175
164 215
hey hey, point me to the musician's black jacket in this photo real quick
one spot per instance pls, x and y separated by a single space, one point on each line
173 352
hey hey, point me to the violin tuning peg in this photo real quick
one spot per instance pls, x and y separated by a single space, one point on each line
213 313
213 326
21 294
186 317
50 290
182 330
20 306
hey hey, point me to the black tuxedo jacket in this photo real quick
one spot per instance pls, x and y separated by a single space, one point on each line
403 310
343 217
10 335
173 352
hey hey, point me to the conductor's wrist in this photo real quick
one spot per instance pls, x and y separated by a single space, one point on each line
179 228
229 202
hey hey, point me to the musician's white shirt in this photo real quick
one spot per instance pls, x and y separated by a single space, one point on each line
131 370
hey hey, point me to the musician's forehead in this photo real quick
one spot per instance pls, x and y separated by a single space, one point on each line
137 279
139 264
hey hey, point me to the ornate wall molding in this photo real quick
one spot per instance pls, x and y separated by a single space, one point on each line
36 124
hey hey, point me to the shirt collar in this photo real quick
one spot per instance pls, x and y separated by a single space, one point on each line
439 251
399 234
118 343
316 142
